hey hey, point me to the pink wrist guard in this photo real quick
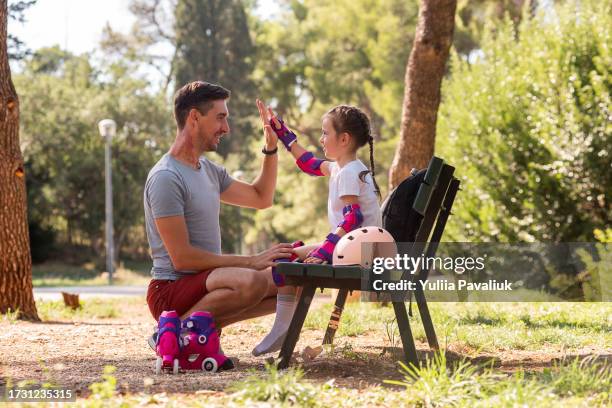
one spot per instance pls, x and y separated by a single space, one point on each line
284 134
326 251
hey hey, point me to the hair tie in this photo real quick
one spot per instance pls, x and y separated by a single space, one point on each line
370 138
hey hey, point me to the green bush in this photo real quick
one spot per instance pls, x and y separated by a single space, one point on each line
596 279
527 123
62 98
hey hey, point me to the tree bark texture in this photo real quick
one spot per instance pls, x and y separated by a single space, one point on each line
424 73
15 260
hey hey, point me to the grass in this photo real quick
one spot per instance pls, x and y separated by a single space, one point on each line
574 383
91 308
94 308
438 383
546 327
580 377
486 327
284 387
524 326
358 318
10 316
56 273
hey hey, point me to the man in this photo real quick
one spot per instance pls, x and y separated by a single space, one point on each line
182 199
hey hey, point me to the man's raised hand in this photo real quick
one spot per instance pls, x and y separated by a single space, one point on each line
265 114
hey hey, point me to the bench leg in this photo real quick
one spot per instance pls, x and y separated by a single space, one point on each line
334 320
426 319
403 325
295 327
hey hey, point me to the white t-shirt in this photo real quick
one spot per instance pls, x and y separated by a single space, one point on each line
345 181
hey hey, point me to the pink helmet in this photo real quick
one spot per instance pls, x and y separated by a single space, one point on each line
349 249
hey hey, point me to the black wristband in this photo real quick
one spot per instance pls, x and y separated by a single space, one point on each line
269 152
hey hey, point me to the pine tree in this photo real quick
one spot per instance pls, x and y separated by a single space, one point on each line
213 44
15 261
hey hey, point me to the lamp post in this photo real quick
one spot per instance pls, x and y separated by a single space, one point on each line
107 128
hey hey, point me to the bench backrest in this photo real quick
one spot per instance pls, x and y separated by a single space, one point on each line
413 207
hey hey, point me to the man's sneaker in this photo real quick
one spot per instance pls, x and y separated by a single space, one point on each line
152 341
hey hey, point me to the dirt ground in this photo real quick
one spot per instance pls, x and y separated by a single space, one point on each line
73 355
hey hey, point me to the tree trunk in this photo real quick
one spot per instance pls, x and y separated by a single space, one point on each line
424 72
15 261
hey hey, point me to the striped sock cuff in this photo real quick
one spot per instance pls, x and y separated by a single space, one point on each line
286 298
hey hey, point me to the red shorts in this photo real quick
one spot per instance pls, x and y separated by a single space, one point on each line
179 295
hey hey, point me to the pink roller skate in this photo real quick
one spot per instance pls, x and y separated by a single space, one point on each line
168 342
201 345
279 280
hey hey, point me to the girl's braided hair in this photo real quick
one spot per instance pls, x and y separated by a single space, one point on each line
355 122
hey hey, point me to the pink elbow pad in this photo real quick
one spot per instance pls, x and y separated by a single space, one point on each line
310 164
353 218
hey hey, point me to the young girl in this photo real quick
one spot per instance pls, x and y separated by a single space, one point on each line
352 201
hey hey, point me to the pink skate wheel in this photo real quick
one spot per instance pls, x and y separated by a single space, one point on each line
202 339
210 365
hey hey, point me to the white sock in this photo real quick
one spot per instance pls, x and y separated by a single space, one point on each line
285 305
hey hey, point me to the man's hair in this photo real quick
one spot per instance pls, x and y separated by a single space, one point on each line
198 95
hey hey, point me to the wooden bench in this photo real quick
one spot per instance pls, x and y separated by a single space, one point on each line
426 221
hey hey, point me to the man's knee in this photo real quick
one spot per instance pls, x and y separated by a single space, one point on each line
248 286
251 287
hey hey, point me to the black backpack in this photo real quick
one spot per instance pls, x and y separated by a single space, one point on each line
397 211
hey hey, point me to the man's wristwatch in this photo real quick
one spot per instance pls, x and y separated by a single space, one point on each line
269 152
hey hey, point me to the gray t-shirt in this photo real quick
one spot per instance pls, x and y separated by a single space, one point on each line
174 188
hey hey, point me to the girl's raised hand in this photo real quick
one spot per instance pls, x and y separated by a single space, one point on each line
274 119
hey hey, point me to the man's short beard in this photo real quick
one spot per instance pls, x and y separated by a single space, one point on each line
210 145
215 146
